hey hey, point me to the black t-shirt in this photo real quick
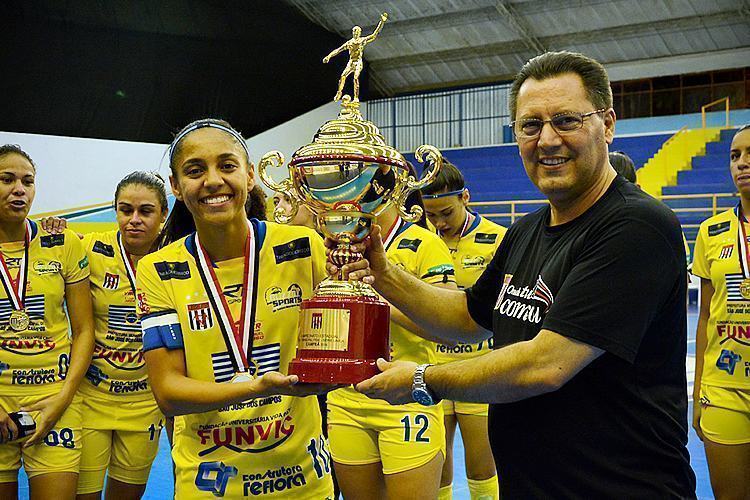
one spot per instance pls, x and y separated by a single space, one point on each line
613 278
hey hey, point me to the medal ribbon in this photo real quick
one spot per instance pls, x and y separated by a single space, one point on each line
129 269
16 290
392 232
742 246
237 337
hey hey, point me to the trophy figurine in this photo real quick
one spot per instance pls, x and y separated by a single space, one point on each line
347 176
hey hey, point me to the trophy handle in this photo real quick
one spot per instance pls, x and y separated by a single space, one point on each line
427 153
276 158
272 158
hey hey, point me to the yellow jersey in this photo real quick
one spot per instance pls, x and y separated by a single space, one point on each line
471 255
423 254
117 367
36 360
726 361
270 446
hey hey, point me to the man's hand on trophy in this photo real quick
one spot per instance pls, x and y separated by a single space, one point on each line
393 384
367 269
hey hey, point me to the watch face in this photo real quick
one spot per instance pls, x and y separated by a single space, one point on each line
422 397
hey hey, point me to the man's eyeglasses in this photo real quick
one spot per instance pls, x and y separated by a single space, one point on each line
530 128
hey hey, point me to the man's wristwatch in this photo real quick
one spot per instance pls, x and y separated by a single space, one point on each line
419 390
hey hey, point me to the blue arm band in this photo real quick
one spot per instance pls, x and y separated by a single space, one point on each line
162 330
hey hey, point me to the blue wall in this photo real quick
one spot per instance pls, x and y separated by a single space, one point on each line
674 123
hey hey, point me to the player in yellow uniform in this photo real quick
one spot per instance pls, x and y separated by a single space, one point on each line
217 334
41 366
381 448
472 241
721 393
124 441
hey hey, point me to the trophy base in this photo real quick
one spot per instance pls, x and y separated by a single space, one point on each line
333 370
340 338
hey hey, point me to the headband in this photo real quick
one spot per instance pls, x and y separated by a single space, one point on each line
207 124
443 195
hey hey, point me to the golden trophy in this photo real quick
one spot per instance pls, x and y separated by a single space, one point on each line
347 177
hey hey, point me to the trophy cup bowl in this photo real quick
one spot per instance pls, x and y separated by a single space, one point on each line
347 177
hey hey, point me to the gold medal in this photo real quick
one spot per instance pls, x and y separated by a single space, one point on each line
241 377
745 288
18 321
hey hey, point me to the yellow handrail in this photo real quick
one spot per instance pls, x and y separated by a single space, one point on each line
514 213
710 104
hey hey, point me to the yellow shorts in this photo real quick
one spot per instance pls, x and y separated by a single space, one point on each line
402 437
453 407
59 451
725 415
125 441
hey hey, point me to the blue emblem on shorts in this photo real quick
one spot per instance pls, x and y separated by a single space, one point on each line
214 476
727 361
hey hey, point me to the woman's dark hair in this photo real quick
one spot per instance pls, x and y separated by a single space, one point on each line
180 222
623 165
151 180
255 206
449 179
7 149
415 198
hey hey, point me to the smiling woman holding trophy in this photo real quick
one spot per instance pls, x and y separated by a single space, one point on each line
351 179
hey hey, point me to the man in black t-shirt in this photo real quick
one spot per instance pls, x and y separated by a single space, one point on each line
586 302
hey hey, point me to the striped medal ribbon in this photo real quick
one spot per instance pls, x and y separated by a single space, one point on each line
742 250
16 289
237 337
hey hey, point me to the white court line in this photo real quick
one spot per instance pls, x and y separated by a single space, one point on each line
690 372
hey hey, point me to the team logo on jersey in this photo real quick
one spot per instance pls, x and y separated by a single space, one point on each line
728 360
281 478
254 436
444 270
278 299
233 293
123 319
726 251
734 282
95 375
485 238
717 229
52 240
122 359
214 476
47 267
469 262
736 333
172 270
267 357
111 281
412 245
143 306
200 316
103 248
3 366
297 249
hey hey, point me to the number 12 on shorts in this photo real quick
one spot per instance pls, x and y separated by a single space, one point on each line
420 424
